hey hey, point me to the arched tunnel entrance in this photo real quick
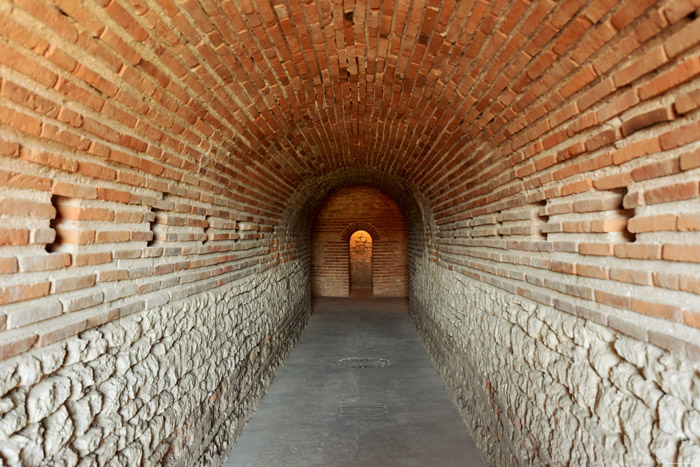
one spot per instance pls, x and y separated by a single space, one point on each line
347 210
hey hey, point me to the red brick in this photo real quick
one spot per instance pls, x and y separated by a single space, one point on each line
14 237
656 310
10 348
108 194
596 204
42 236
597 272
85 213
44 262
667 280
596 249
690 160
50 159
678 9
112 275
108 236
629 13
128 217
96 171
577 187
652 223
684 72
618 180
26 208
76 303
680 136
670 193
687 253
74 191
643 65
27 67
563 267
631 276
656 170
687 102
124 19
635 150
91 259
8 266
61 331
468 119
646 119
75 237
638 251
603 138
617 301
617 105
73 283
690 284
34 313
608 225
357 207
633 199
691 318
24 181
689 222
18 293
9 149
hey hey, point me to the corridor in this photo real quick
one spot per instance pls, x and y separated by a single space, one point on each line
180 177
319 413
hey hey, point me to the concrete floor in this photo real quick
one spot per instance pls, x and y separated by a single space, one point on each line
317 413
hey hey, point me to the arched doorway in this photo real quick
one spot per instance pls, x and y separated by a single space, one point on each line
360 263
345 212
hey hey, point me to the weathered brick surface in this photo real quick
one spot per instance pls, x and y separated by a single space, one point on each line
576 370
156 152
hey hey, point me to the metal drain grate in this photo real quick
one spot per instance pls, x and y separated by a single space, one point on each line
364 362
362 412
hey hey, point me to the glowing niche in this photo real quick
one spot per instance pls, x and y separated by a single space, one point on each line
361 261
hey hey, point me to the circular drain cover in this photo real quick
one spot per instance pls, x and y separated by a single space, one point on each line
364 362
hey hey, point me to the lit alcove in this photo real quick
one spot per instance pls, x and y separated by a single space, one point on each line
361 263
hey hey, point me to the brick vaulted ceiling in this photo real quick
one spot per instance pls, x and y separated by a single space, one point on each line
456 97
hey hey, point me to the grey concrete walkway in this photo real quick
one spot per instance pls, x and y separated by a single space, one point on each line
318 413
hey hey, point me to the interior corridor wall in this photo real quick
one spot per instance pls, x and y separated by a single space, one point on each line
559 292
145 298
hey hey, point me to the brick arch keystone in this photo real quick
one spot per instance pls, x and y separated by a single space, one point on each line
355 226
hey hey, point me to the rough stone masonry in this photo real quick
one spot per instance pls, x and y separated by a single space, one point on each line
163 162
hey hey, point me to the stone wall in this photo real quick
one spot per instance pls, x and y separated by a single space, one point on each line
346 211
537 386
172 385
